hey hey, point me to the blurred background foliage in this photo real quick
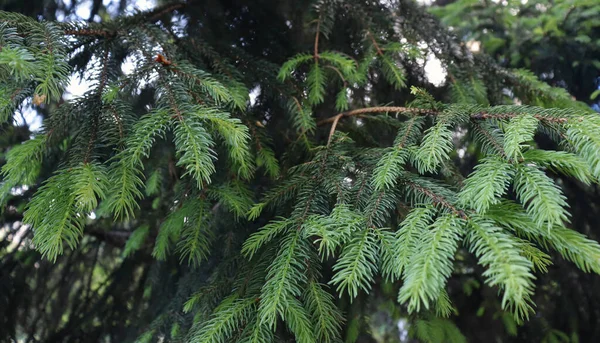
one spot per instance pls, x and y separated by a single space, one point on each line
93 294
558 40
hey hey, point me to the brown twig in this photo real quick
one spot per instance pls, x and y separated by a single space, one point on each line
159 12
173 103
379 109
95 118
339 73
89 32
336 119
490 138
485 115
316 52
104 73
438 199
421 111
405 137
379 51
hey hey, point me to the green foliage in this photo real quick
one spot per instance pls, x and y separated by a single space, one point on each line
437 330
194 146
472 91
227 318
266 203
582 134
324 313
518 131
333 230
285 280
388 168
126 176
235 135
409 234
539 36
392 73
264 235
487 184
357 264
41 59
506 268
542 198
23 163
435 148
561 162
170 230
298 321
194 242
572 245
431 263
61 204
135 241
316 81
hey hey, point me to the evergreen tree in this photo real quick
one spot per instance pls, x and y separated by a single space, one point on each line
248 182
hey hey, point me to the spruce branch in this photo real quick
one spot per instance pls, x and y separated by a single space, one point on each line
437 199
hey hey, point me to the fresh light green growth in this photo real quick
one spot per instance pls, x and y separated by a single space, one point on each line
561 162
357 264
391 164
285 280
194 147
234 134
487 184
501 253
543 199
431 263
23 163
195 239
582 132
409 235
435 147
334 230
519 130
572 245
60 206
345 208
126 176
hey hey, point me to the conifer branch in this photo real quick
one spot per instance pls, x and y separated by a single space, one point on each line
490 139
486 115
438 199
89 32
423 111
